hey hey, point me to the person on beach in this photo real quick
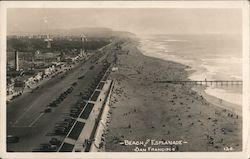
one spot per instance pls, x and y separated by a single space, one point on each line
220 101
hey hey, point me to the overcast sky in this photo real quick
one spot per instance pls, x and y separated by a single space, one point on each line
139 21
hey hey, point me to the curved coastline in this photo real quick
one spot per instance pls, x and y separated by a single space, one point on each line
142 109
222 103
213 66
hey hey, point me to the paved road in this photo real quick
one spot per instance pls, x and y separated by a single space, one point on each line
24 115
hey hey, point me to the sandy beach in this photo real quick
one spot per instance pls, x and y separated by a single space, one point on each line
142 109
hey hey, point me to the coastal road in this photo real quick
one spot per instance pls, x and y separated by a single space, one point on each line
25 116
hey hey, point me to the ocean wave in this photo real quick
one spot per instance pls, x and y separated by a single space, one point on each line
205 63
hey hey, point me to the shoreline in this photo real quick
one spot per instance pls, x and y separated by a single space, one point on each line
141 109
222 103
237 109
195 73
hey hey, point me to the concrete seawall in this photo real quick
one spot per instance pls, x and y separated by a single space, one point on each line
95 147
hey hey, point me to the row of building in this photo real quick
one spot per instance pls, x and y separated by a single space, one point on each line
19 79
17 85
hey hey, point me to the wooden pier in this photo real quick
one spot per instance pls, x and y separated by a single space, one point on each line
205 82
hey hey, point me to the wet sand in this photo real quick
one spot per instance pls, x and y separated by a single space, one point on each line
237 109
142 109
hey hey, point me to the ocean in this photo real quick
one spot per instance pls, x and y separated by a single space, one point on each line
210 56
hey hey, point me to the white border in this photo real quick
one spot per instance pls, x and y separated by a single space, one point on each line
128 4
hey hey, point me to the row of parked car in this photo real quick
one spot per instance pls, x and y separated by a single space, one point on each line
57 101
62 128
52 146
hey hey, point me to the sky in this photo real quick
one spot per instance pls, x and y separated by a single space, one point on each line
138 21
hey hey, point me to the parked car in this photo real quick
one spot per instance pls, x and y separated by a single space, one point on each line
47 110
61 131
12 139
55 141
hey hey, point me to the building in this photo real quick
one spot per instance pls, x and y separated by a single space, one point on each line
83 38
38 76
83 54
49 71
16 61
48 40
19 82
10 89
29 81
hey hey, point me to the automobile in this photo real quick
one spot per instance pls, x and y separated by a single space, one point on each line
48 148
64 124
61 131
91 67
60 99
47 110
53 104
57 101
74 115
68 120
78 107
54 141
81 77
12 139
74 111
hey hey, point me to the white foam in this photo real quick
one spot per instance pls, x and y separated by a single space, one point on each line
206 64
231 97
174 40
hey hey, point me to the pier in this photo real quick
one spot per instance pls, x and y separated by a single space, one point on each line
205 82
